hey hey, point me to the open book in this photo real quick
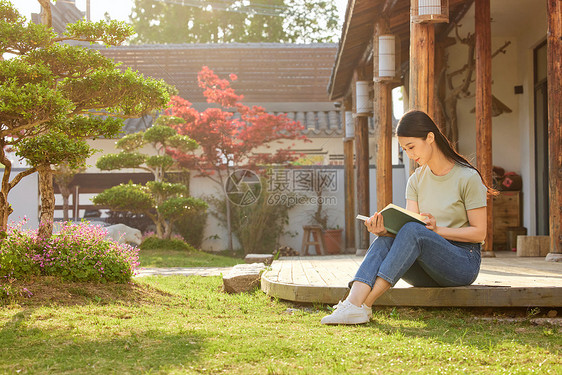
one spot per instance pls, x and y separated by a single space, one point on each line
394 217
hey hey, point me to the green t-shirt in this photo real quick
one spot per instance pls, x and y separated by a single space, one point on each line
447 197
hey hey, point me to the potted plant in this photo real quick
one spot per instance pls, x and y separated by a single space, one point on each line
332 236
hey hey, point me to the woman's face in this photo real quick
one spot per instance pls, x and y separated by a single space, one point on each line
418 149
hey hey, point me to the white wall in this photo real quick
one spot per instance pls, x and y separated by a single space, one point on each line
301 214
524 25
24 198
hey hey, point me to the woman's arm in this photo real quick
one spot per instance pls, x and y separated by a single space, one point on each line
475 232
412 206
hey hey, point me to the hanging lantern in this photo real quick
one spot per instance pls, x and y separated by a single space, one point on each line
349 125
429 11
386 58
363 104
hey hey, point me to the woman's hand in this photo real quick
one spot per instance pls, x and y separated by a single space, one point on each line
430 222
375 225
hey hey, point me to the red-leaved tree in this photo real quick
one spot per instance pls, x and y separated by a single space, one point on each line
230 133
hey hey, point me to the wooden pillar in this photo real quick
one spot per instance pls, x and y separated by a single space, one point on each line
440 86
484 107
382 116
422 62
362 162
382 112
349 176
554 77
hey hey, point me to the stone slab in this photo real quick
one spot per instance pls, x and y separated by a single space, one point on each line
259 258
243 278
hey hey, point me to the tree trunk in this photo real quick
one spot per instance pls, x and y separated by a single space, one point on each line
167 230
47 202
65 192
46 17
5 211
5 208
228 222
160 225
228 209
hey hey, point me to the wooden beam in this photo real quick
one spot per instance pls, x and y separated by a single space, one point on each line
388 5
554 77
349 183
484 107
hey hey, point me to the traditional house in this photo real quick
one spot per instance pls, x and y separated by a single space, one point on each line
283 78
488 72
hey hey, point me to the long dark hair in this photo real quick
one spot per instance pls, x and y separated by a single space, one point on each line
418 124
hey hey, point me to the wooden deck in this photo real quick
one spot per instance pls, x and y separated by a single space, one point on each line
504 281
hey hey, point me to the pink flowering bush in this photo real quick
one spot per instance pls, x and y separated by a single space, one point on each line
79 252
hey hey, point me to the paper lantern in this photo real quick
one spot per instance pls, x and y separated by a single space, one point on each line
386 58
429 11
349 125
363 104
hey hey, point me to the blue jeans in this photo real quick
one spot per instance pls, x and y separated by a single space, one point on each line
422 258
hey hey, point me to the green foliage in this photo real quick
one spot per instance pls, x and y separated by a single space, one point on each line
17 254
182 143
66 61
273 21
54 148
110 162
159 161
155 243
191 225
78 253
19 37
131 142
50 90
258 226
111 33
168 201
174 208
126 197
158 134
165 190
89 127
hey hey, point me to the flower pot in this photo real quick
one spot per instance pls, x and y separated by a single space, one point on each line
333 241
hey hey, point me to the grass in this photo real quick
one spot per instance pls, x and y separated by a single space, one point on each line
178 325
181 258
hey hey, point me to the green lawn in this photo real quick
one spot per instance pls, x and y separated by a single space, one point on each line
178 325
182 258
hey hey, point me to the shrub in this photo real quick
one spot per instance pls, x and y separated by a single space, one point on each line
257 226
19 254
138 221
79 252
191 226
155 243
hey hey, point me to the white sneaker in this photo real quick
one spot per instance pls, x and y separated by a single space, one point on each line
368 310
347 313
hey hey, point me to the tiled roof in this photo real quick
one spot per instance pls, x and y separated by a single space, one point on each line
317 123
267 72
